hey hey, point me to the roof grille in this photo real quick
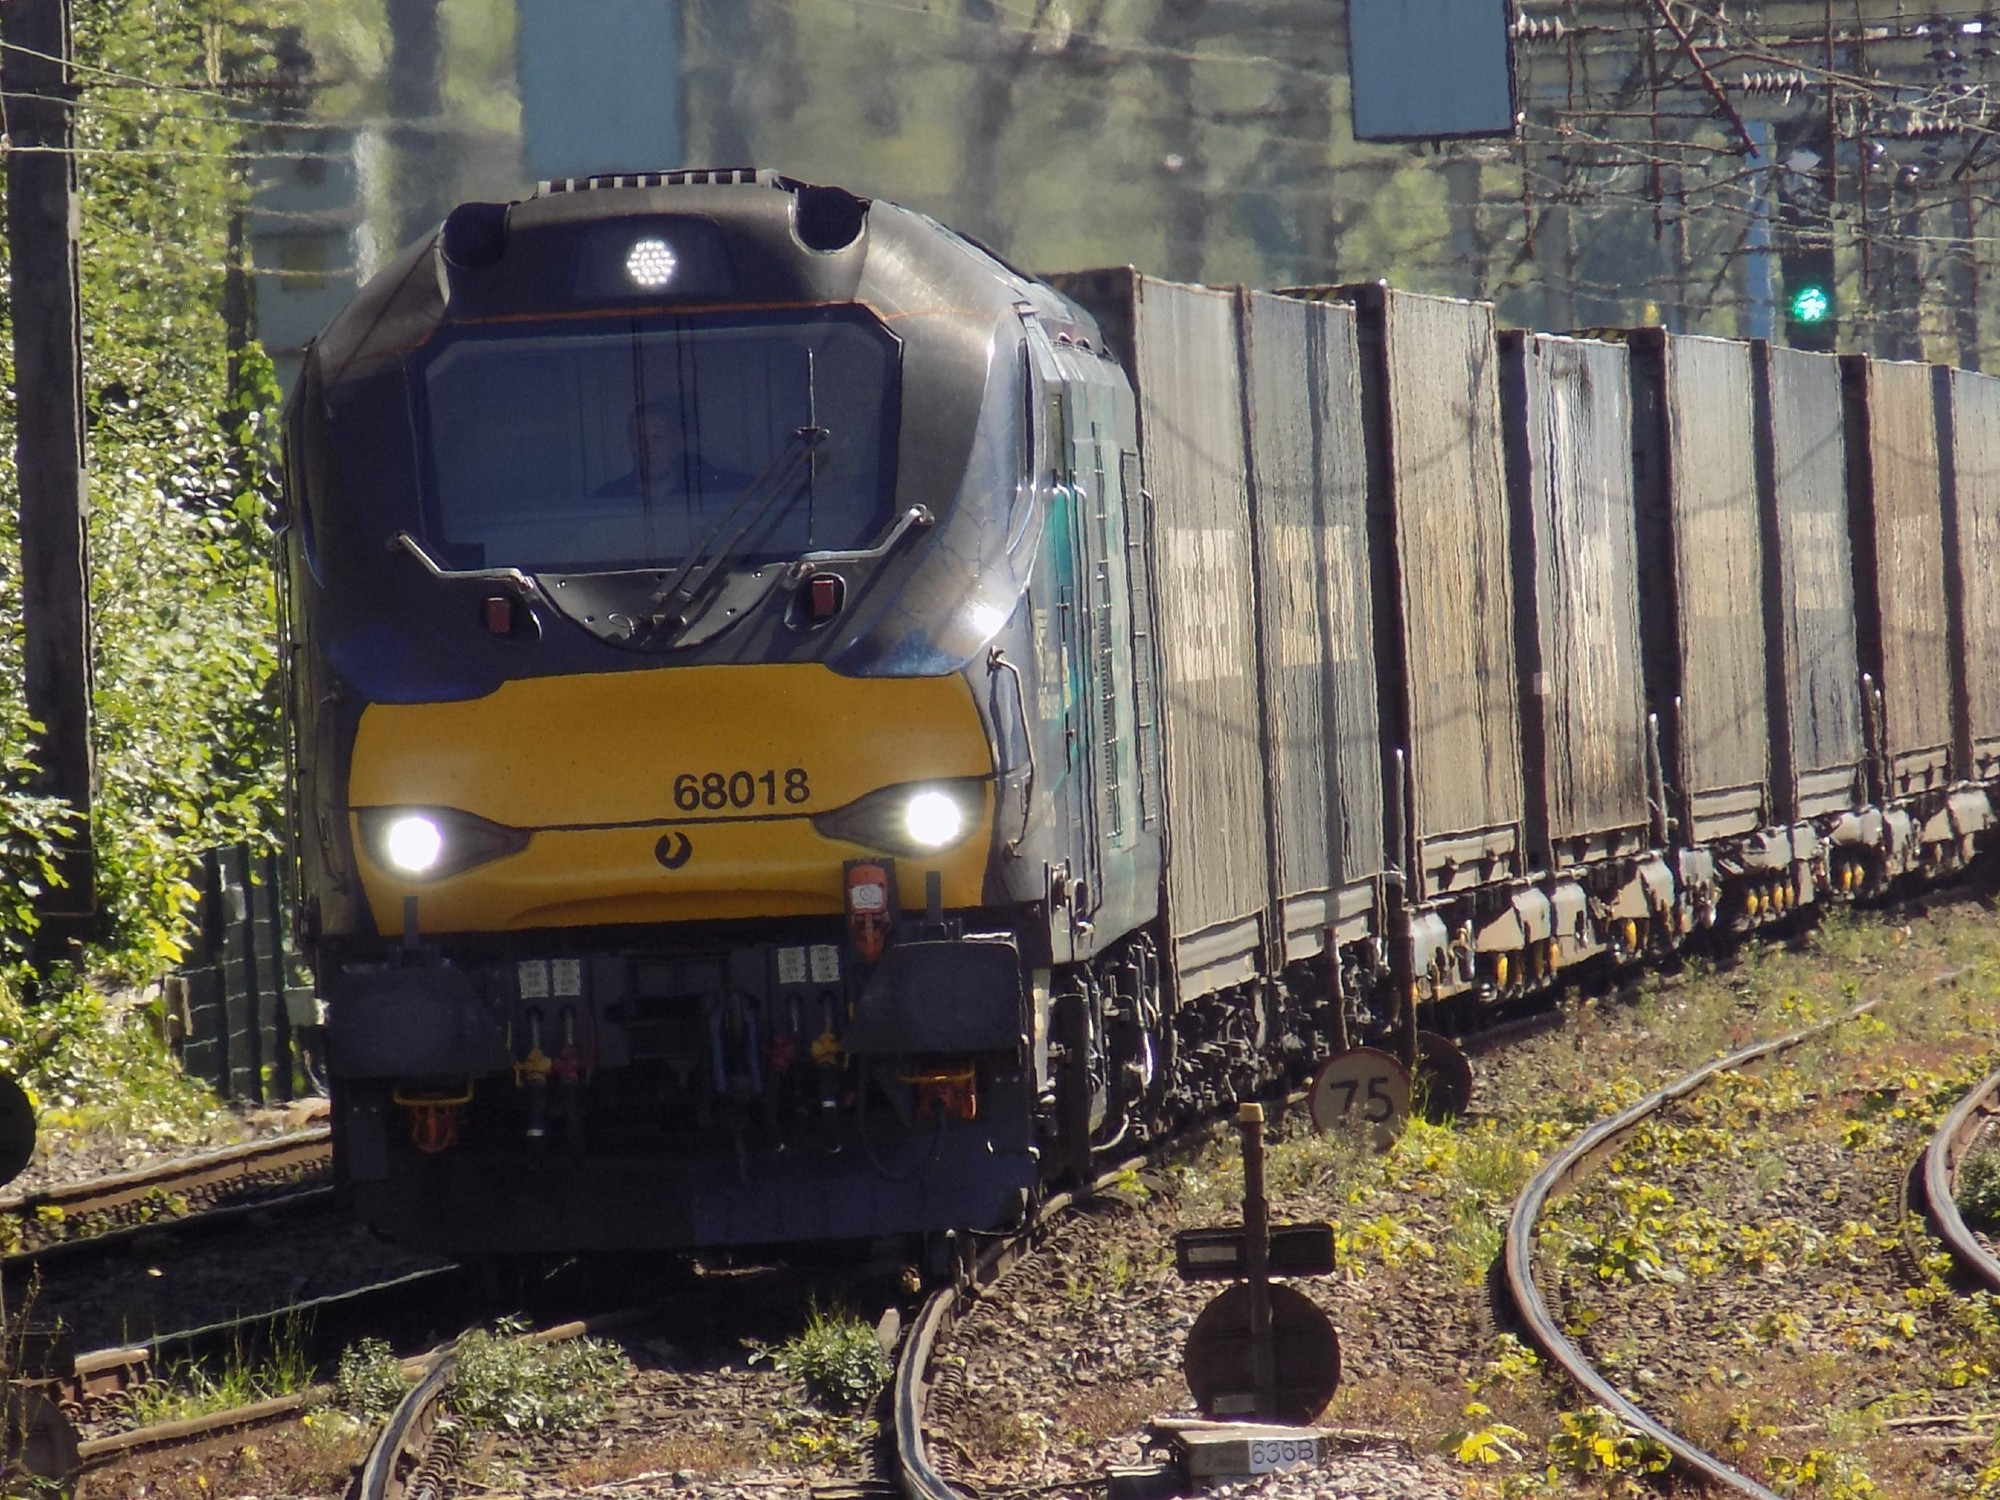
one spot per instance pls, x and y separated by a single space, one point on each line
690 177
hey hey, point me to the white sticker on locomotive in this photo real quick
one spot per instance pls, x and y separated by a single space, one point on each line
826 957
567 974
791 966
534 977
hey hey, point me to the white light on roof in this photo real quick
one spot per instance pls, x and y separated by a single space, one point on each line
651 263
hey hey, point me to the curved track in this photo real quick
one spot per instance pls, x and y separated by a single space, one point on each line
910 1388
401 1462
1541 1324
412 1456
1937 1182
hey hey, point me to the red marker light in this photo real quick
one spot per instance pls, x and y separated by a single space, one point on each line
827 592
499 615
870 902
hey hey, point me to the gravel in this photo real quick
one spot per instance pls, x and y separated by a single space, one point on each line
68 1159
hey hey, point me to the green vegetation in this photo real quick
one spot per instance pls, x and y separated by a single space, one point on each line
1763 1209
836 1360
1979 1185
180 441
505 1382
370 1380
195 1390
91 1066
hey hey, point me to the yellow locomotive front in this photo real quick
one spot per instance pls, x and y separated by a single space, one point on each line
668 698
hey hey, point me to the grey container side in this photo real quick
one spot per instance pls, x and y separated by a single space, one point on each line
1701 580
1431 392
1818 748
1310 496
1897 526
1567 405
1179 344
1970 404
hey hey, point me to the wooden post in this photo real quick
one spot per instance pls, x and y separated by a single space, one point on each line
48 389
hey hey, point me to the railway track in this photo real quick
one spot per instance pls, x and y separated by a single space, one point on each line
917 1472
408 1463
1530 1307
411 1457
188 1194
102 1377
1935 1181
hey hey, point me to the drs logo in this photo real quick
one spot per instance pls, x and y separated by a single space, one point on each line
720 791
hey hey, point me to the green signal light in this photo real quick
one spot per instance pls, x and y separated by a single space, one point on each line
1811 303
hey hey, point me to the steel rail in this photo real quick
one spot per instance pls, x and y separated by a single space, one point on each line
1561 1172
198 1222
408 1431
1938 1179
401 1450
104 1374
300 1148
411 1429
911 1388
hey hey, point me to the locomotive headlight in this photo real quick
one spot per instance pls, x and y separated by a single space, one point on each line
430 843
413 844
915 818
651 263
933 820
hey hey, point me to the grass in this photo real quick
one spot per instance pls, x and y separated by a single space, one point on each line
1979 1184
195 1390
1420 1224
1794 1169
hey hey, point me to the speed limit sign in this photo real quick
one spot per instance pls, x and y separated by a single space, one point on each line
1361 1091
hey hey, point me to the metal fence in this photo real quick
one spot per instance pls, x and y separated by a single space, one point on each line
241 1008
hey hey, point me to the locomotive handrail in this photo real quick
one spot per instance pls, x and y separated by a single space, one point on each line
917 517
416 549
996 663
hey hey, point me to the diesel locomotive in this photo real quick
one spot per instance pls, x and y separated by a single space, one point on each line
805 732
715 719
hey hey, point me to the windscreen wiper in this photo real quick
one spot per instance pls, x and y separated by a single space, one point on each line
668 610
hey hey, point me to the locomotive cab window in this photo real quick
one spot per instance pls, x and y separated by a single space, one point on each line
630 443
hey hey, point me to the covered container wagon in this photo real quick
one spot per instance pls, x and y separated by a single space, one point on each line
1309 490
1899 571
1970 405
1818 750
1179 343
1701 579
1445 597
1583 701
